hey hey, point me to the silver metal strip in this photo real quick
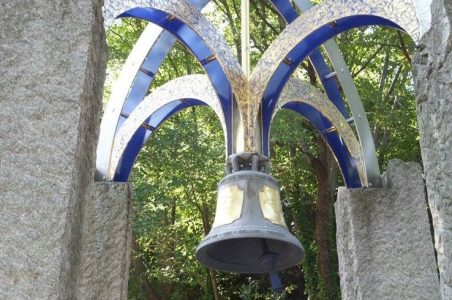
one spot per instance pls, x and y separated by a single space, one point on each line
245 36
354 102
120 91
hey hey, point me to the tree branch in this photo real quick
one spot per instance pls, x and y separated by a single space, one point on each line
403 47
367 63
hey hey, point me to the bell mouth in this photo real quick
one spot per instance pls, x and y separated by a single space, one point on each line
246 255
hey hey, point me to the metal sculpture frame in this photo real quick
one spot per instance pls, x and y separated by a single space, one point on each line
241 99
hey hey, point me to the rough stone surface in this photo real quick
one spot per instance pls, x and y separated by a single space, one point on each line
432 68
106 243
52 66
384 244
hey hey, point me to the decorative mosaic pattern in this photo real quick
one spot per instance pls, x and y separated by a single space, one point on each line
298 91
401 12
187 87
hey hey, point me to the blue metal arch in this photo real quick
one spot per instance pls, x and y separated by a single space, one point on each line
149 68
309 44
288 12
303 49
200 50
139 138
295 57
345 161
350 174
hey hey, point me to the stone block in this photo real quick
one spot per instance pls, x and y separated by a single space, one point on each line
52 68
432 73
106 243
384 243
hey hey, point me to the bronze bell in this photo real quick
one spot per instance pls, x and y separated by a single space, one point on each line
249 234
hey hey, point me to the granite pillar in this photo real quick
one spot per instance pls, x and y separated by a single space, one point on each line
52 69
106 243
384 243
432 72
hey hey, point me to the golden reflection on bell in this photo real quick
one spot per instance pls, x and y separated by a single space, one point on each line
249 234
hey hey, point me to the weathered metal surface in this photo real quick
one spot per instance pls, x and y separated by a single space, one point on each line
229 205
271 205
299 91
187 87
242 245
119 94
132 85
193 19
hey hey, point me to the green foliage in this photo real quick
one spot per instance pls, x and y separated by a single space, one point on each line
379 59
174 182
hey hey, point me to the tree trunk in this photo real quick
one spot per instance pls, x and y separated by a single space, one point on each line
213 280
140 269
322 215
321 165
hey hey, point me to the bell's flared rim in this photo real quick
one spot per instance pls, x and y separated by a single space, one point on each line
279 240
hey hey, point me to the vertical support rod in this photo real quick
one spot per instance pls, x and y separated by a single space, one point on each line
245 34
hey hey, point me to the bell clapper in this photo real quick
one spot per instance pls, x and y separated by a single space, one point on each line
268 260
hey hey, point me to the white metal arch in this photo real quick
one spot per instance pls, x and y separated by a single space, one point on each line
193 18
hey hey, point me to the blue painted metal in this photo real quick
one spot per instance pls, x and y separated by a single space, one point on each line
152 63
140 87
309 46
345 161
285 9
289 14
140 137
200 50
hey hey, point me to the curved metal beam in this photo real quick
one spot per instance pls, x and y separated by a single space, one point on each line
192 29
286 10
327 77
312 29
133 83
165 13
308 32
297 91
187 87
